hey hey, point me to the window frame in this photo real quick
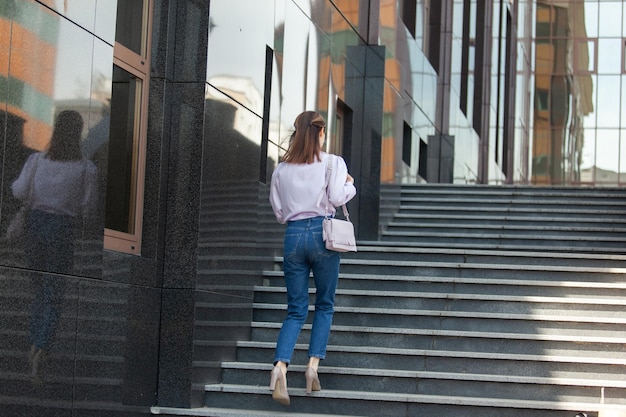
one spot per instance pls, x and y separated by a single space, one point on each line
139 66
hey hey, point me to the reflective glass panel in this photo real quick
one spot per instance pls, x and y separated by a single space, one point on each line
106 12
608 101
609 60
130 27
591 18
622 157
80 11
122 168
50 74
234 146
352 10
298 46
610 14
236 49
607 154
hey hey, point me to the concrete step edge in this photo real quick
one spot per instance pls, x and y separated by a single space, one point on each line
464 208
526 281
506 227
573 201
530 317
490 266
501 236
408 247
418 398
612 301
503 217
379 350
234 412
417 374
459 333
504 246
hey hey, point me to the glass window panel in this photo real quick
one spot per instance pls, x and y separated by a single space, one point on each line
240 75
457 19
587 90
585 55
293 70
623 102
234 149
80 11
472 18
130 27
588 152
609 60
610 15
608 101
352 11
607 155
420 23
74 57
106 12
623 21
123 140
622 156
591 18
543 30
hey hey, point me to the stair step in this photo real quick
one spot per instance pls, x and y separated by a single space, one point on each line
511 229
232 412
577 362
394 404
410 381
421 374
444 304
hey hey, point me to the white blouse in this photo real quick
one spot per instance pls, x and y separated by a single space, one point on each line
58 187
296 189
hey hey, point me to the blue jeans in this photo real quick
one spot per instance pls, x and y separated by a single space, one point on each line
304 251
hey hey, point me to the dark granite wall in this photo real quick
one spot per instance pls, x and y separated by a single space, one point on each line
132 331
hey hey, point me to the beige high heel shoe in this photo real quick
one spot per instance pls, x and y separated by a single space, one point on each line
312 380
278 384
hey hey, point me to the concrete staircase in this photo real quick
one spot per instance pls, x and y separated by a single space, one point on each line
476 301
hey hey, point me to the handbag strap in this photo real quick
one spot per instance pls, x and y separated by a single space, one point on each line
319 200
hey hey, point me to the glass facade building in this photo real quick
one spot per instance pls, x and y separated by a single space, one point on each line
578 78
186 110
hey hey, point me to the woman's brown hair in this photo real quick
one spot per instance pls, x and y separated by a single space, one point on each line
304 145
65 141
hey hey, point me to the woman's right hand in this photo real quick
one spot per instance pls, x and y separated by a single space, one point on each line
349 179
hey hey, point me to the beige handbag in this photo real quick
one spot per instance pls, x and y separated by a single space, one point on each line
338 234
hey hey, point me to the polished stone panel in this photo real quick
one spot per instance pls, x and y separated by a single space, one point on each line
232 140
183 182
37 322
117 343
175 352
191 43
61 76
155 200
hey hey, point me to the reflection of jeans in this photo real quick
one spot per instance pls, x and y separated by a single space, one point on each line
49 248
50 242
304 251
49 292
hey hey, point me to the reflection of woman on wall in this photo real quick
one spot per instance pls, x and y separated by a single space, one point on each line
59 186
